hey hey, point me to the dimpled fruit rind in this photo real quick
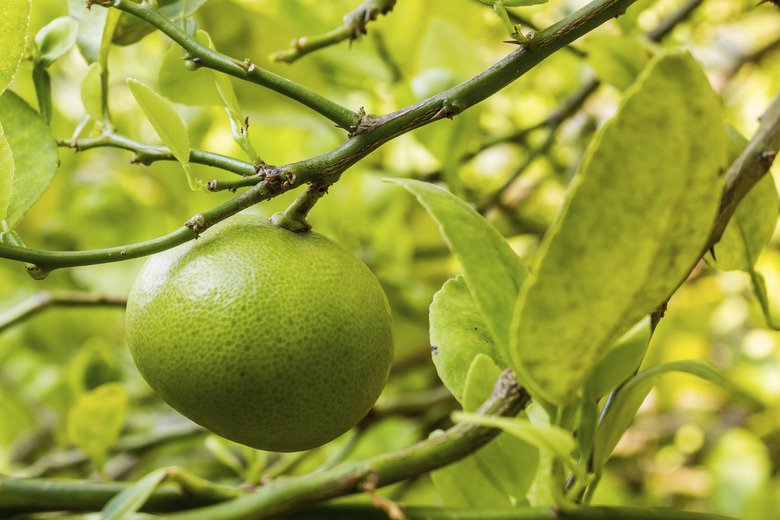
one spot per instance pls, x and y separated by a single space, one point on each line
277 340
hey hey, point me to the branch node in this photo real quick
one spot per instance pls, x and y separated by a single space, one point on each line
197 223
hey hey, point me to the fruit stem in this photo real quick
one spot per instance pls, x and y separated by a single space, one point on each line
294 218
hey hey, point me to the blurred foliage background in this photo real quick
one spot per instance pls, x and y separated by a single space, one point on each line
692 445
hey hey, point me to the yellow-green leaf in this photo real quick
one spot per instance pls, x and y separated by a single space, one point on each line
95 420
55 39
636 220
6 175
166 122
91 96
34 154
14 20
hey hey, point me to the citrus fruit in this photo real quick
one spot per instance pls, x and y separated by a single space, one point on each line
277 340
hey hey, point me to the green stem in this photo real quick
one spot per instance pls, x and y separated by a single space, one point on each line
147 154
343 117
354 26
294 218
370 512
29 495
45 299
46 261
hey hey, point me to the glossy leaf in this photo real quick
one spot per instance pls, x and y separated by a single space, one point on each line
95 420
617 60
14 20
634 224
493 272
498 474
514 3
619 362
166 122
631 396
132 498
91 93
458 335
55 39
6 176
34 154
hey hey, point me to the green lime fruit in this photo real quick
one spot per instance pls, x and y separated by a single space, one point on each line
277 340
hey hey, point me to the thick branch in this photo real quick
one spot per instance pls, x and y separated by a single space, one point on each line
355 477
148 12
285 494
354 27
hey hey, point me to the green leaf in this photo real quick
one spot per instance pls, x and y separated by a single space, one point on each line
543 436
132 498
635 222
458 335
6 176
498 474
631 396
514 3
55 39
34 154
91 23
759 290
617 60
95 420
189 87
14 20
493 272
166 122
619 362
91 93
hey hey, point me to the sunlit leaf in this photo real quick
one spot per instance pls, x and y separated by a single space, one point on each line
6 175
95 420
132 498
458 335
55 39
34 154
634 225
14 20
617 60
493 272
166 122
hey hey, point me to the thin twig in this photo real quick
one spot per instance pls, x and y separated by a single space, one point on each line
45 299
353 28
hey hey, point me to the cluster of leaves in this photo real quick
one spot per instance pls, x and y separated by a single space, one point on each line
630 208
